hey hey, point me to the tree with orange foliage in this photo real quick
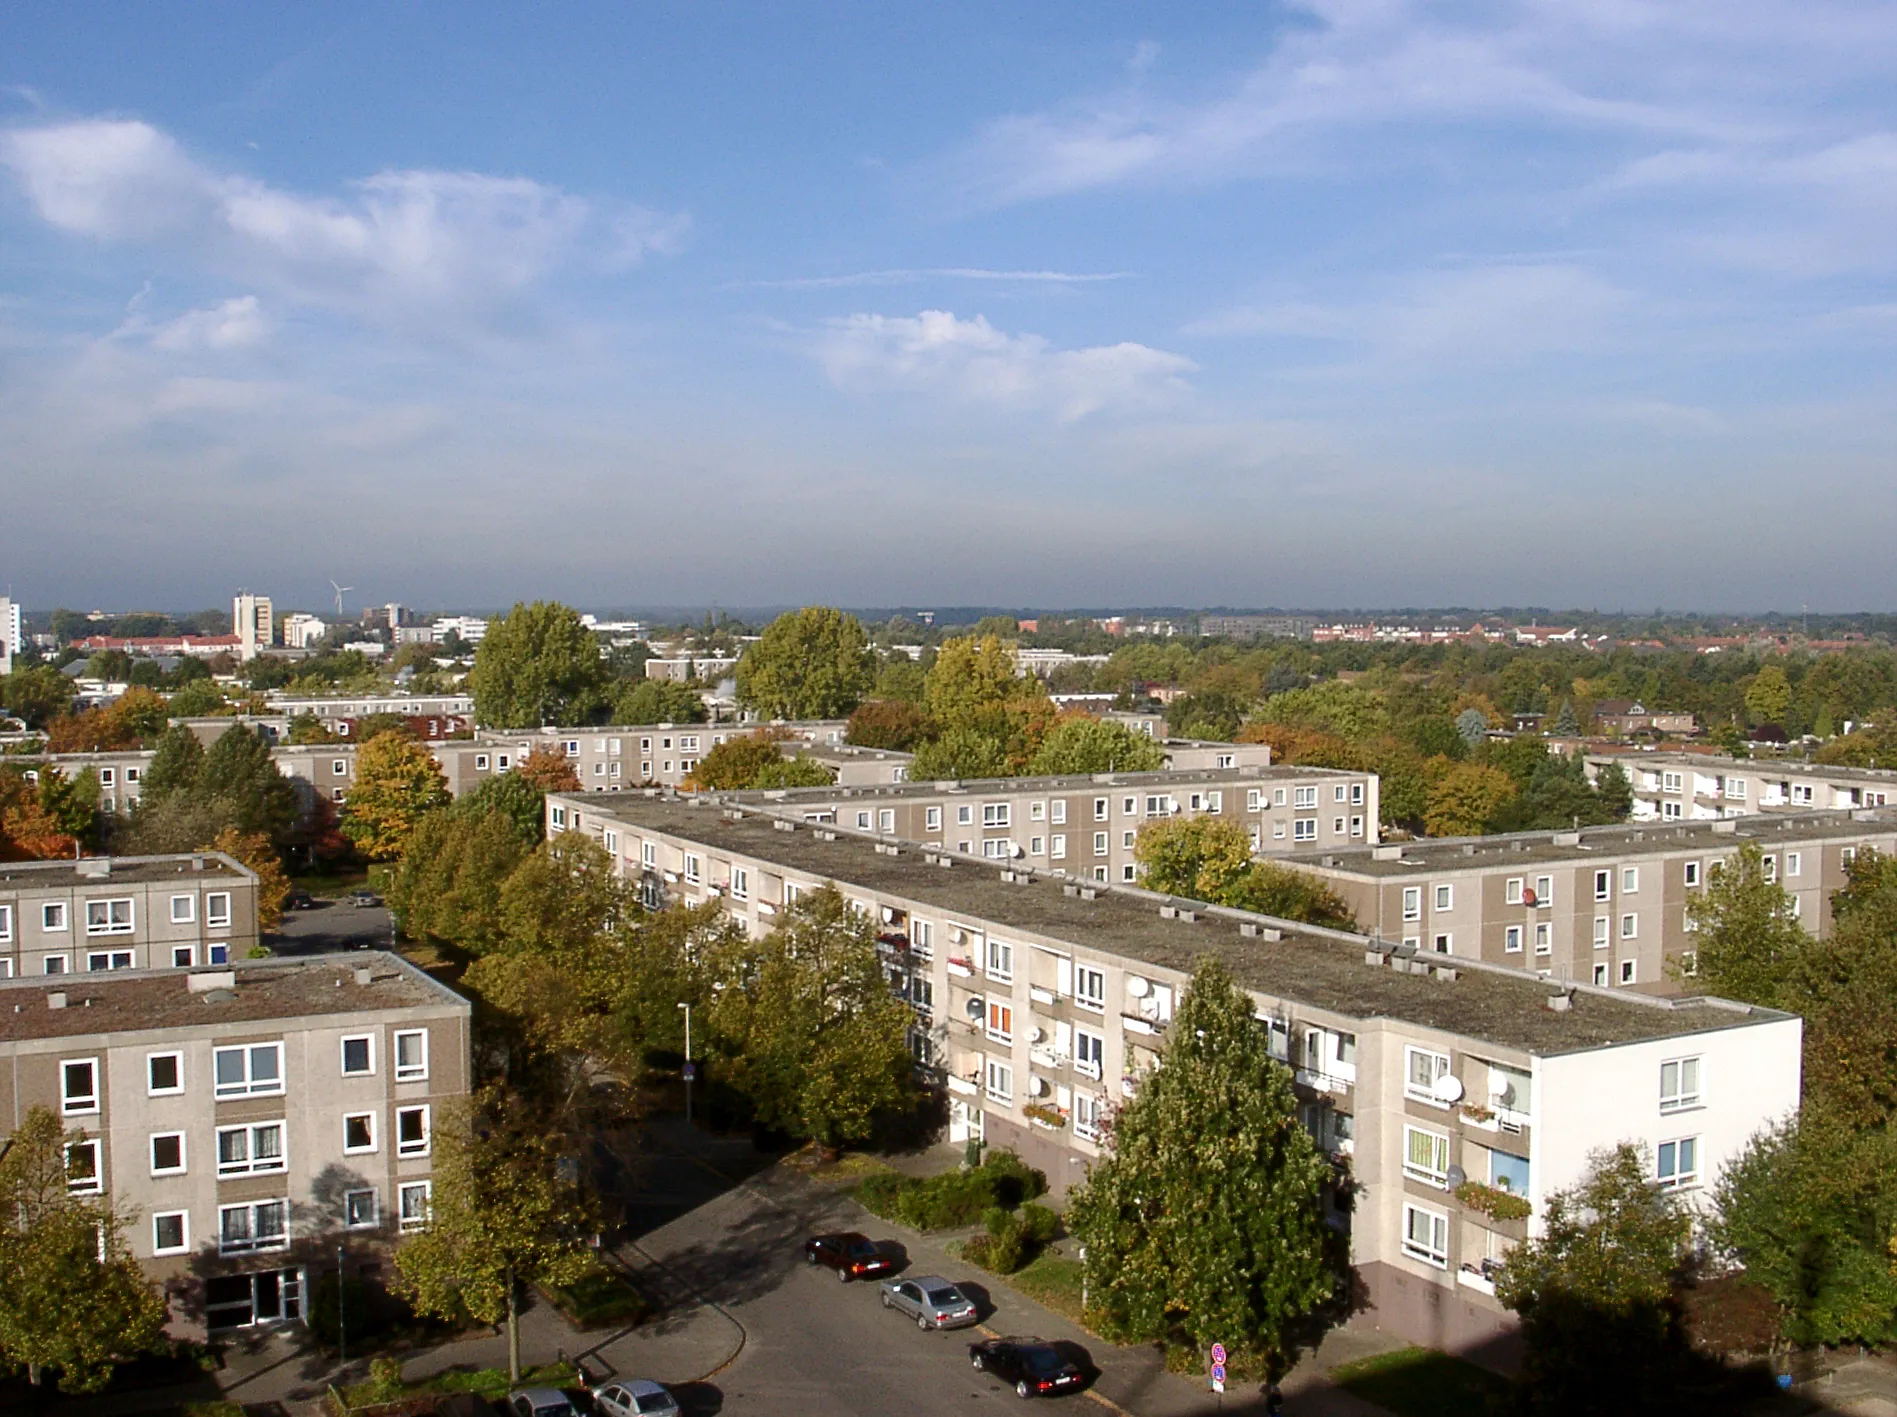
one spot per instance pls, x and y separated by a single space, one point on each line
254 850
28 832
549 771
136 716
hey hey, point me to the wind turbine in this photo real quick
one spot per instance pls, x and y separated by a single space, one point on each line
340 589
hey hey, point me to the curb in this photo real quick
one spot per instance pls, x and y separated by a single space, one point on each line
744 1335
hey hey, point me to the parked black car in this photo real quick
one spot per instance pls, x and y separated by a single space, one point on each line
1033 1365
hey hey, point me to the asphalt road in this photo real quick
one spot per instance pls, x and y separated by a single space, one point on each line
814 1345
331 925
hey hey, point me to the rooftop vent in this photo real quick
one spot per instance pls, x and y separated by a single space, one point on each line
1070 889
783 826
1386 853
1726 826
1468 849
197 862
1252 930
94 867
206 980
1562 1002
1567 838
1089 893
56 999
365 977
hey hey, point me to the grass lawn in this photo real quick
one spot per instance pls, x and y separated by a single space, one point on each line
1050 1279
848 1169
328 884
1420 1382
604 1297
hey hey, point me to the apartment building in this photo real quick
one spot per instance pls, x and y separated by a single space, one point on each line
254 1118
10 634
1604 906
1691 787
1040 1003
625 755
362 705
101 914
1088 827
253 622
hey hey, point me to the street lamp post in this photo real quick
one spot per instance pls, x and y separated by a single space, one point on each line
342 1314
688 1062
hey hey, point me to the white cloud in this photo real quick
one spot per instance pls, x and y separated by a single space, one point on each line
401 246
234 324
911 277
973 362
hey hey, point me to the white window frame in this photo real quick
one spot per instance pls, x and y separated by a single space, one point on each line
368 1117
183 1247
1412 902
1304 829
248 1088
1087 974
1629 972
1683 1094
1000 960
253 1245
1435 1250
375 1208
1090 1053
151 1154
177 1057
92 1182
1512 939
1629 880
1436 1171
1411 1054
404 1147
411 1072
104 961
250 1166
1445 897
997 814
998 1081
1668 1172
1101 844
1691 874
342 1055
998 1019
1630 927
54 918
189 916
84 1104
217 910
1794 862
1512 890
405 1218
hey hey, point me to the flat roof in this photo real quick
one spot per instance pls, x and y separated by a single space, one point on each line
137 1001
1325 969
1760 767
1015 786
1484 853
117 870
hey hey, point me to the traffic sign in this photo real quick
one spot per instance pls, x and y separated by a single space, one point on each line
1218 1372
691 1071
1218 1355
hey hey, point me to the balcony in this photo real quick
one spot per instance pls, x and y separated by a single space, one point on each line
1139 1023
1337 1084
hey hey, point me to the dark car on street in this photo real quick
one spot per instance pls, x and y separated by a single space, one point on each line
299 900
851 1255
1033 1365
363 897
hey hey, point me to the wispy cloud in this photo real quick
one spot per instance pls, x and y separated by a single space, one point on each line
912 277
232 324
397 247
972 362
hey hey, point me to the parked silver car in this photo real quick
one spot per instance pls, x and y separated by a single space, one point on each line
930 1300
636 1397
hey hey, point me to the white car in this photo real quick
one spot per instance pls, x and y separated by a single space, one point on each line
638 1397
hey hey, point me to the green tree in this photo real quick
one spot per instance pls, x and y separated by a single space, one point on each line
888 723
970 674
1204 1221
1289 894
1810 1211
397 783
201 698
658 701
1089 745
1201 858
1614 792
175 764
1464 798
538 665
809 663
1747 941
1472 726
800 771
502 1216
240 778
514 797
1768 698
1595 1291
454 865
735 763
1567 724
814 1039
563 896
72 1298
960 753
37 694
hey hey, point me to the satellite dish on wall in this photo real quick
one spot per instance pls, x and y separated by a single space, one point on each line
1448 1088
1137 986
1528 898
1037 1087
974 1008
1456 1176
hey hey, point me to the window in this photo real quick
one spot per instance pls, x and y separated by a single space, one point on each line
1254 800
171 1232
1671 782
999 1080
79 1086
932 819
1337 792
6 923
164 1074
1601 927
862 821
359 1209
1847 855
413 1204
1304 829
183 956
1422 1070
1000 1021
1037 846
359 1055
556 815
1627 971
1277 797
1356 794
1678 1164
167 1153
922 938
1412 902
1630 927
411 1055
98 960
740 883
886 820
1129 805
1304 797
694 868
339 767
411 1131
1679 1084
1445 897
1426 1235
248 1071
1099 843
1099 809
54 964
1544 891
1000 960
1337 826
1544 938
1426 1156
1087 1114
184 909
253 1147
1793 863
1090 1051
1445 943
1600 976
358 1132
964 814
996 814
1090 987
83 1177
1057 812
1629 880
1770 865
1736 788
922 993
1512 939
480 762
1692 874
53 915
1512 892
1057 846
260 1225
1603 885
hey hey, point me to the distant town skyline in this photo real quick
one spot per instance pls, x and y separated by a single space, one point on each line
1302 305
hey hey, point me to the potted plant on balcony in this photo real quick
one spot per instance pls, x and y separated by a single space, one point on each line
1045 1114
1493 1201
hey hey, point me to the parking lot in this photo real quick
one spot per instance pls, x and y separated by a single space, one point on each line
331 925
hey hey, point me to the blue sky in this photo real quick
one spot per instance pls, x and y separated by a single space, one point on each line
1323 304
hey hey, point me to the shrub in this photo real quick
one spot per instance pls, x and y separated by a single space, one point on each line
1014 1181
882 1193
1038 1224
1003 1181
322 1314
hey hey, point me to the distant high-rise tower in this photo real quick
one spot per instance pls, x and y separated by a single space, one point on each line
398 615
9 632
252 623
